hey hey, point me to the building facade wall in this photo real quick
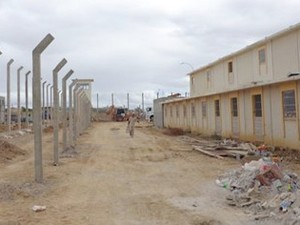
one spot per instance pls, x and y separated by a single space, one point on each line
281 54
270 127
246 95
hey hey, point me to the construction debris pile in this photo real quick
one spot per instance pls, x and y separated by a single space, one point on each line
227 148
264 190
261 186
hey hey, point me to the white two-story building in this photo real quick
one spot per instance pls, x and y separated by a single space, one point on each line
252 94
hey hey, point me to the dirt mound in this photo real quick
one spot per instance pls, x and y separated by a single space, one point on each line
9 151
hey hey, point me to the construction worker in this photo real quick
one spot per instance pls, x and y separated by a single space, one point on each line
131 123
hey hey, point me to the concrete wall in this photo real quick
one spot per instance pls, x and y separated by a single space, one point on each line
158 112
158 109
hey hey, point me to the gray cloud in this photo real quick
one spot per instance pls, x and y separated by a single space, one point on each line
132 46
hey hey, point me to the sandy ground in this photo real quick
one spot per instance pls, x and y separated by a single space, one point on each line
111 179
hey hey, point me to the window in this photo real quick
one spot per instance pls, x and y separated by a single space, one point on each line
262 56
257 106
208 78
289 107
184 110
234 107
230 67
204 109
217 108
171 111
193 110
166 112
230 73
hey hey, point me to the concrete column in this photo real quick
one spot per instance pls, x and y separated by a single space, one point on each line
26 97
75 116
88 112
56 106
71 114
80 112
97 104
8 95
19 106
36 106
47 104
64 107
51 103
143 105
127 101
59 100
43 111
59 106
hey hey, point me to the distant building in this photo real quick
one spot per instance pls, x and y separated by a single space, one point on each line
158 109
2 109
252 94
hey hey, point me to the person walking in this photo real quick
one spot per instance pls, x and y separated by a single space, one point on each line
131 123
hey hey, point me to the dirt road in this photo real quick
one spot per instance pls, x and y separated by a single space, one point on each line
113 179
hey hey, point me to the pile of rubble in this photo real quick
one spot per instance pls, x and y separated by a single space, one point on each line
226 148
263 190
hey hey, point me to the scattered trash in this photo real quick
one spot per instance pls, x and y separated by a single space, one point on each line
260 186
263 189
38 208
284 205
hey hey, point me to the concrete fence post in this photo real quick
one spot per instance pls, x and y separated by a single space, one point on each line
47 103
56 107
80 112
18 97
64 107
51 103
75 112
71 113
8 119
26 97
36 106
43 107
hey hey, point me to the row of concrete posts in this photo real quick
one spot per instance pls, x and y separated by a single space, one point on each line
79 102
79 111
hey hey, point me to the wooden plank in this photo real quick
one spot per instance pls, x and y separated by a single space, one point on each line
207 152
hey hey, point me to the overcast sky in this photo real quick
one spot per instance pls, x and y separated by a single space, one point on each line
133 46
